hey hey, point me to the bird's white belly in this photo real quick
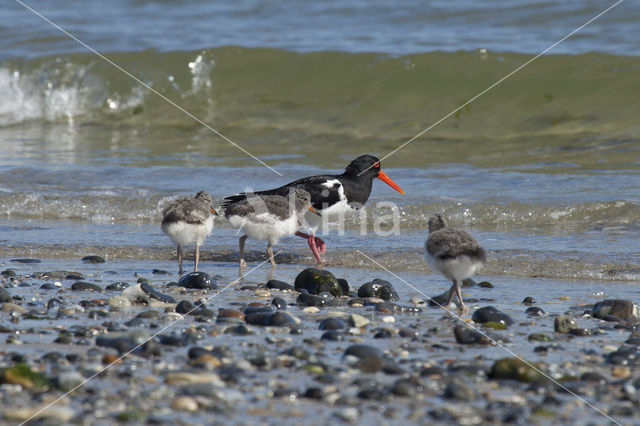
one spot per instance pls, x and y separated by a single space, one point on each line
271 229
459 268
183 233
335 213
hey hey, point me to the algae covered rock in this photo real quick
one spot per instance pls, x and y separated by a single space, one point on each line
516 369
317 281
21 374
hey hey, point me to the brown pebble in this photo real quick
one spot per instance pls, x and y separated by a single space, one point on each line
620 371
233 313
208 359
108 359
370 364
257 304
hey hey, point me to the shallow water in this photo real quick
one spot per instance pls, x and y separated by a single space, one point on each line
579 230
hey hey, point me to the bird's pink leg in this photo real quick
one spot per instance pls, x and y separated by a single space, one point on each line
316 244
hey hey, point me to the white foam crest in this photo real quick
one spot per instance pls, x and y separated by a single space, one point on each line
200 69
17 103
57 92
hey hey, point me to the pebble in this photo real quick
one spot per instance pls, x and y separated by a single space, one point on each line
262 293
4 295
333 324
21 374
198 280
534 311
93 259
308 299
625 355
620 371
231 313
68 380
8 273
117 286
441 300
344 286
54 413
282 319
279 285
466 335
378 288
515 368
619 308
148 289
85 286
528 301
539 337
408 387
564 323
316 281
349 415
384 333
490 314
279 303
188 378
581 332
185 307
12 308
26 260
459 391
358 321
184 403
332 335
238 330
362 351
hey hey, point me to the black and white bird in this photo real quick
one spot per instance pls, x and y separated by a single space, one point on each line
189 220
268 217
454 253
334 196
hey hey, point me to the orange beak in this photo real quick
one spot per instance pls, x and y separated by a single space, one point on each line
213 211
386 179
314 210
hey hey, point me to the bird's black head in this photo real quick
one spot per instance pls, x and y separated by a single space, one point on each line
368 164
367 168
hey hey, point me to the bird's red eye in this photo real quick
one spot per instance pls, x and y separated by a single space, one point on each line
376 164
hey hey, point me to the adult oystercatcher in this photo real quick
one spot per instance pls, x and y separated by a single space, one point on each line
189 220
334 196
454 253
268 217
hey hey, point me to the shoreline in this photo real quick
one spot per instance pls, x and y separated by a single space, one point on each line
516 263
